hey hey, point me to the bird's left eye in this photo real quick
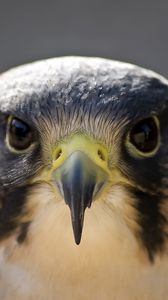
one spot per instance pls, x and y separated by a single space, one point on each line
19 134
144 136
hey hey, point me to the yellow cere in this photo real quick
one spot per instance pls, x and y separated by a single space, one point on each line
97 152
80 142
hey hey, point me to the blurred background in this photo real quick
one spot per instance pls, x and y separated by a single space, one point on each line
132 31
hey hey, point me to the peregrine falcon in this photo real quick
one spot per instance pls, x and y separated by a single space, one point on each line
83 181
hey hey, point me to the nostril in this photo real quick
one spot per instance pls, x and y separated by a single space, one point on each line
58 154
101 155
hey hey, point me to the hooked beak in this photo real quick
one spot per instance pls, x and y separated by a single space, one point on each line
79 180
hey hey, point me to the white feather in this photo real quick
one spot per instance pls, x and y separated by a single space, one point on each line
109 264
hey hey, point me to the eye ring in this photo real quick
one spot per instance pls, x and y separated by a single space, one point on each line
143 140
19 135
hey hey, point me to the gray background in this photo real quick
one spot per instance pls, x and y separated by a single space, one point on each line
132 31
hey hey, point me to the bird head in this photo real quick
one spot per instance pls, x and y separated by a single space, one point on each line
85 127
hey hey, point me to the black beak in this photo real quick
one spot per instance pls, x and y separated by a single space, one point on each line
79 180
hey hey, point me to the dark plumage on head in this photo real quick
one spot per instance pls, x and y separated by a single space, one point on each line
101 100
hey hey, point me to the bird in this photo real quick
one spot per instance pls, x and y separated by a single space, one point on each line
83 181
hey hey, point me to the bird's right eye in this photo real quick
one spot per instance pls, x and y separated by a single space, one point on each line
19 134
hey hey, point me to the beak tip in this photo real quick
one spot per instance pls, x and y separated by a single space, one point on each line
77 241
77 231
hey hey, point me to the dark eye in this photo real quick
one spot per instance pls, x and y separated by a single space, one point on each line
144 135
19 134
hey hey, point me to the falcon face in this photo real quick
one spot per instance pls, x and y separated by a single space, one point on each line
82 133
